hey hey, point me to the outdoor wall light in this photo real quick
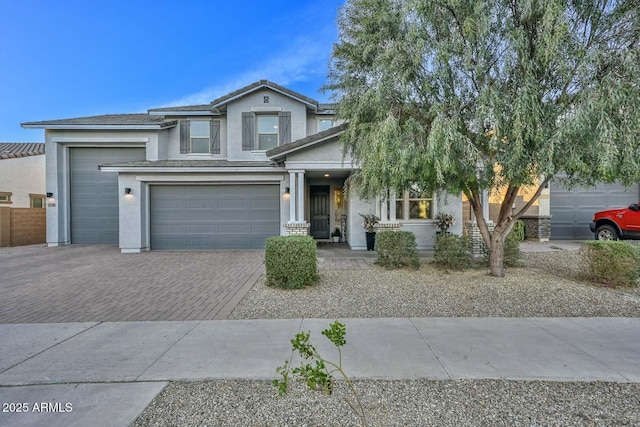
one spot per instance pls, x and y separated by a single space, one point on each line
49 195
286 190
127 190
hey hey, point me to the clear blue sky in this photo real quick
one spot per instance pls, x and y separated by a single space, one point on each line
67 58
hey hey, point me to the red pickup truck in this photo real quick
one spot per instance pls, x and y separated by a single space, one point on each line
614 224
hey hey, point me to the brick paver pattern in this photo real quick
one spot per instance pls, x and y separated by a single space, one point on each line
99 284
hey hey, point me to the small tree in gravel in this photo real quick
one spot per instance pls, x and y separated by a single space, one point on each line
316 371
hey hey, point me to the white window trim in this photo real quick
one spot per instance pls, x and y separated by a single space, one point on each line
191 138
8 195
258 133
37 196
405 209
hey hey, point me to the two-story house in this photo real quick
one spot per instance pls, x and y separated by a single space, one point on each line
260 161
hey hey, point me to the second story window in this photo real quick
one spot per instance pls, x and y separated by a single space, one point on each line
263 132
267 132
200 136
324 124
5 197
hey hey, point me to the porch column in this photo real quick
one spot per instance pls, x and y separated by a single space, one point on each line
292 197
300 198
384 212
392 206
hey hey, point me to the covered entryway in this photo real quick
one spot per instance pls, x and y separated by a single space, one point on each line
200 217
572 210
94 194
319 211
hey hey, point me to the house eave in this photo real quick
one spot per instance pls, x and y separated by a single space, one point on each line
191 169
100 127
183 113
283 154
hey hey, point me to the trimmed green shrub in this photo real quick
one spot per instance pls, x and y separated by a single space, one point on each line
291 261
611 263
397 249
452 252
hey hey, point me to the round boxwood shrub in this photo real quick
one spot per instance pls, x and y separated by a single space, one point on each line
291 261
452 252
397 249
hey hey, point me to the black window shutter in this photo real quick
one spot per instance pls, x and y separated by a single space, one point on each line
215 136
284 127
184 136
248 126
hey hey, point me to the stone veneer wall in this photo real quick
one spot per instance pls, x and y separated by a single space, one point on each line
476 243
297 228
389 226
537 227
22 226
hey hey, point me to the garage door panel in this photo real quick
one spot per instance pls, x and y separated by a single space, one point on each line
213 216
94 194
572 210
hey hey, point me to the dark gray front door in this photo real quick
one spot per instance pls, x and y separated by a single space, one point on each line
195 217
572 210
319 211
94 194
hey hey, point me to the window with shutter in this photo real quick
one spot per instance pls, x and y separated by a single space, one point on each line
200 137
248 120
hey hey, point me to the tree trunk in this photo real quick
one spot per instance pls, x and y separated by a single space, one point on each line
496 254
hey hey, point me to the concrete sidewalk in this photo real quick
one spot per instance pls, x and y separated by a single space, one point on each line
107 373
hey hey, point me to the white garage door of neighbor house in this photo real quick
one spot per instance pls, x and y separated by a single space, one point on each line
197 217
94 194
572 210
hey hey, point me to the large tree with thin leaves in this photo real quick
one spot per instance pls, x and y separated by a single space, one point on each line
466 96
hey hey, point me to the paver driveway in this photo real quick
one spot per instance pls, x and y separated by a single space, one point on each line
98 283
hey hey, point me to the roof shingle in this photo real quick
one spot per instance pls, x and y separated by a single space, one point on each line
10 150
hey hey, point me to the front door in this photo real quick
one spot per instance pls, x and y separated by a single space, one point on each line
319 211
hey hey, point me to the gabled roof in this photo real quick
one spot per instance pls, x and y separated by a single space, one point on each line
306 142
216 103
139 120
10 150
155 117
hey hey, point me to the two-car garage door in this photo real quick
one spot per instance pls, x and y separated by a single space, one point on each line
195 217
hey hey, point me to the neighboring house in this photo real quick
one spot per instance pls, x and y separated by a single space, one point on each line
22 194
260 161
22 177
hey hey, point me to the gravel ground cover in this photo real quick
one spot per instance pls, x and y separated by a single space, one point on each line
548 284
398 403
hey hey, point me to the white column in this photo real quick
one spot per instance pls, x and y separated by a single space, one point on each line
300 217
392 205
292 197
485 205
384 212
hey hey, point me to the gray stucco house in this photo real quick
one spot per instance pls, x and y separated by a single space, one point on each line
257 162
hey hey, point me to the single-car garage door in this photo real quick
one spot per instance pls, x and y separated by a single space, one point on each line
194 217
94 194
572 210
